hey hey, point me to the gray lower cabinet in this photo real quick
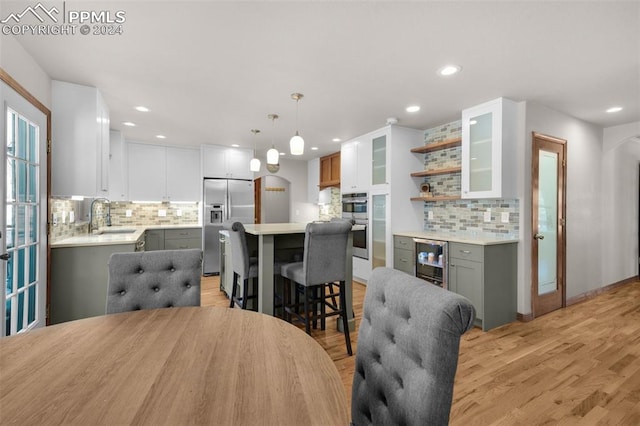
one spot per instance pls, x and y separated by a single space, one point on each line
185 238
173 239
79 280
154 239
487 276
404 254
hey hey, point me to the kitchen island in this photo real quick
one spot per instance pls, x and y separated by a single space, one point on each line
278 236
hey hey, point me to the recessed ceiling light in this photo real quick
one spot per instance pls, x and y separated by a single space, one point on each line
128 123
336 139
235 145
314 148
142 108
448 70
161 136
413 108
614 109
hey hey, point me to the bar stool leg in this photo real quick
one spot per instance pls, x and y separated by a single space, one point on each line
345 320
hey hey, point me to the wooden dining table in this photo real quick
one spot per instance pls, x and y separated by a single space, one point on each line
171 366
273 236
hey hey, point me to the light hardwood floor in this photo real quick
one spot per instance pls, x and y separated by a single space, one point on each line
578 365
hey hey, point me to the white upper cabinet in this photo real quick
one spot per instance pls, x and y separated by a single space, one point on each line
79 141
355 165
489 138
183 174
147 172
225 162
117 167
161 173
379 159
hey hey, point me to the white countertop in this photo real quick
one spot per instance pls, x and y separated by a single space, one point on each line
282 228
107 238
479 239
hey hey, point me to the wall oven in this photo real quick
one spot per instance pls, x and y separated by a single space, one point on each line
354 207
431 261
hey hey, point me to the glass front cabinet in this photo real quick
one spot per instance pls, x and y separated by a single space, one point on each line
489 142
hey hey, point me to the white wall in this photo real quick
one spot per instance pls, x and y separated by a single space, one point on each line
620 164
295 171
22 68
584 232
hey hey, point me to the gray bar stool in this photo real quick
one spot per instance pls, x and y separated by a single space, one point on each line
324 262
244 267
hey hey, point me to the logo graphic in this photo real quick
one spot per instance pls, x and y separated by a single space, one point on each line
42 21
34 11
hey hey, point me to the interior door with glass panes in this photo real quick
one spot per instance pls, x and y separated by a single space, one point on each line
23 240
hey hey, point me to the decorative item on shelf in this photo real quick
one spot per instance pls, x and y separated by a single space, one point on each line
254 165
296 144
273 156
425 190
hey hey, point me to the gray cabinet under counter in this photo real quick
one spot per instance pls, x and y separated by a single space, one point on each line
404 254
79 280
173 239
487 276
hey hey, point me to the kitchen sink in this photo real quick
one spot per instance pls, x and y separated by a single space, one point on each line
117 231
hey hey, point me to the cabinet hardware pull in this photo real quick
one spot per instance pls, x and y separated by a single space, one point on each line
466 251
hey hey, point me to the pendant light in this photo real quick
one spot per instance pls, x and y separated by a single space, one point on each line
296 144
273 156
254 165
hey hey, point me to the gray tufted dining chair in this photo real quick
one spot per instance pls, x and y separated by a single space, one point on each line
407 353
153 279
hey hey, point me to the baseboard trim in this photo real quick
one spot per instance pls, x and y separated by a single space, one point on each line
598 291
524 317
584 296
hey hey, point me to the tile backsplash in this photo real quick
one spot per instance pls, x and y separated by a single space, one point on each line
461 216
334 209
141 214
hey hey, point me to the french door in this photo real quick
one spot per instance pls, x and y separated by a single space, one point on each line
548 224
23 213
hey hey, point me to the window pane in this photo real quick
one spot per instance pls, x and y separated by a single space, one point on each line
11 226
33 144
33 224
21 143
32 304
9 282
33 183
20 224
11 132
21 180
33 262
20 264
11 180
20 321
8 318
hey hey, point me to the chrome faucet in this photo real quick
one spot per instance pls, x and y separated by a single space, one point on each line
108 218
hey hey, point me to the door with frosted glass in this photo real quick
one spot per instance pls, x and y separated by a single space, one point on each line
23 241
548 224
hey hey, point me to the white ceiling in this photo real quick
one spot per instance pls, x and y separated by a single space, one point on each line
211 71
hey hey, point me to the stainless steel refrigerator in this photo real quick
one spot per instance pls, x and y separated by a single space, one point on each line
224 200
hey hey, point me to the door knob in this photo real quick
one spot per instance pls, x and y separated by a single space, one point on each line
539 237
5 256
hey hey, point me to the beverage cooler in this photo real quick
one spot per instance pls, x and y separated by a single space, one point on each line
431 261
